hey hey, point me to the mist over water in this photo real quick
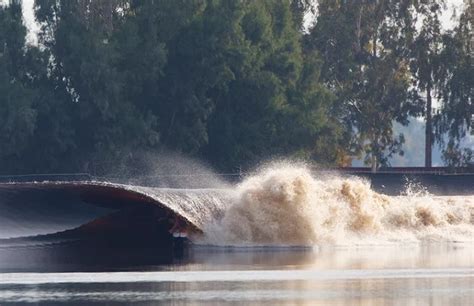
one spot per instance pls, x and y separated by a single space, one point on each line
284 204
167 170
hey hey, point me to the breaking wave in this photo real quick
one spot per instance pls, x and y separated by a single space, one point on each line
282 204
286 205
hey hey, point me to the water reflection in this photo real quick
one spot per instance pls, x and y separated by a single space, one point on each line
437 274
449 291
421 256
76 258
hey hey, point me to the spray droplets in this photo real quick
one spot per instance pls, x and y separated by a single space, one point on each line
285 205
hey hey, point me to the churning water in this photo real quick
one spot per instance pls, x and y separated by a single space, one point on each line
287 205
283 204
359 247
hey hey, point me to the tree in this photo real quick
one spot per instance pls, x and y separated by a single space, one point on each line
364 48
455 156
87 69
426 65
270 101
228 81
456 84
17 113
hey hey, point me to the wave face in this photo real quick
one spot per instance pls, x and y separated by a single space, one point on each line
285 205
41 208
199 206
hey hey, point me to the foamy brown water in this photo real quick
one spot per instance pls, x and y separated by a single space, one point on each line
285 205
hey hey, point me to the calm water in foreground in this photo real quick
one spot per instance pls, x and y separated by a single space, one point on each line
437 274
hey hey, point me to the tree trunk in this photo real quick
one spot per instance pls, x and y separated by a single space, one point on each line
374 164
358 45
373 159
429 128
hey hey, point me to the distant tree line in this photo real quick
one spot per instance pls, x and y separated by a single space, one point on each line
229 82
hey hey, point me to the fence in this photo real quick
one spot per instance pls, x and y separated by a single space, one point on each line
232 177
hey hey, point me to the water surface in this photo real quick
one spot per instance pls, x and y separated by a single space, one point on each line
435 274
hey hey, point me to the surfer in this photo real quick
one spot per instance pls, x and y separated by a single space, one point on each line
179 228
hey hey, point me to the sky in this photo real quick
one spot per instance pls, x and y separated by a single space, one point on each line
30 22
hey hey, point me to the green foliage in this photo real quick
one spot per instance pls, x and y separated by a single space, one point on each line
108 119
273 104
455 156
18 116
230 82
456 83
363 45
227 81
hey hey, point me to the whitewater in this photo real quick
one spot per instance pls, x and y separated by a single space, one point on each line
284 204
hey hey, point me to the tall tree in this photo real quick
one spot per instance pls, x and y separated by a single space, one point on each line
87 67
270 102
426 65
225 80
17 113
455 116
364 47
